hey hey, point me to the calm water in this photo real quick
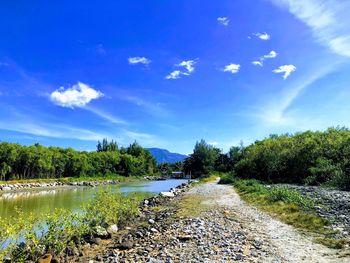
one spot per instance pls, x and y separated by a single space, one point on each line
42 201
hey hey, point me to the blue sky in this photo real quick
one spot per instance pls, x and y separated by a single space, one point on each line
168 73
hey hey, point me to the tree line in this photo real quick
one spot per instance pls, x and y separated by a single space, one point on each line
308 158
36 161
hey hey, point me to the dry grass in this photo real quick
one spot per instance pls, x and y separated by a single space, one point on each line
190 206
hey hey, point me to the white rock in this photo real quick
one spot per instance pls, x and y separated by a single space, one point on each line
112 229
167 194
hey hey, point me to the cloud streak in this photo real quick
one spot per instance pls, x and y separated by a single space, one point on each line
286 70
328 20
189 69
232 68
139 60
263 36
260 62
223 20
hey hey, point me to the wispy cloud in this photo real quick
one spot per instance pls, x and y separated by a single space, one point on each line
257 63
53 130
272 54
262 36
274 111
78 95
189 69
232 68
104 115
223 20
150 107
174 74
4 64
286 70
139 60
328 19
260 62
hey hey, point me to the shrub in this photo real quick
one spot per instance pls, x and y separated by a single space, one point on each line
288 196
29 237
227 179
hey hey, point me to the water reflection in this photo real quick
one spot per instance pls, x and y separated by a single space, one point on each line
41 201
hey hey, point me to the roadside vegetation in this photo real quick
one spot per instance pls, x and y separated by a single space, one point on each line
313 158
19 163
30 237
289 206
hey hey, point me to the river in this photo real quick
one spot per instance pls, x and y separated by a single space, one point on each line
42 201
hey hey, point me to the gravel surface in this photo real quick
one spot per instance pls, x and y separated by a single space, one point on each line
331 204
227 230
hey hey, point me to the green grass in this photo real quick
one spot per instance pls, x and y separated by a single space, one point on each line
290 207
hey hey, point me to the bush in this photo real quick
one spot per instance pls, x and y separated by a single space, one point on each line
227 179
288 196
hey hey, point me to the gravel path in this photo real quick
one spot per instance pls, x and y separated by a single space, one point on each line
284 243
226 229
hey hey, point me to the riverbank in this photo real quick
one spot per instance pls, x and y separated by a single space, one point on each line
8 186
205 223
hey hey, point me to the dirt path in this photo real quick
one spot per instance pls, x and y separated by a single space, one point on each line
282 242
209 223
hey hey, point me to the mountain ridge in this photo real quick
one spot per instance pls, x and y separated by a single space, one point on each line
165 156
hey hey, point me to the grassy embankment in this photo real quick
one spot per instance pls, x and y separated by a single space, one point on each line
30 237
289 206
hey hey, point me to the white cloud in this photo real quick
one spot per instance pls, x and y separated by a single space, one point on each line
3 64
260 62
257 63
139 60
328 19
233 68
223 20
272 54
174 75
262 36
187 64
274 111
286 69
78 95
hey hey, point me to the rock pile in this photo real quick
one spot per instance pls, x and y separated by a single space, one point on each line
331 204
20 186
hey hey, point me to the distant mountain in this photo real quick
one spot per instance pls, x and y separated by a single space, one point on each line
164 156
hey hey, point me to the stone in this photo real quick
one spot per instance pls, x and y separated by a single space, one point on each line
151 221
167 194
154 230
6 188
101 232
125 245
112 229
45 259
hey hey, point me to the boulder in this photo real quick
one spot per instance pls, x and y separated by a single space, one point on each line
45 259
101 232
112 229
167 194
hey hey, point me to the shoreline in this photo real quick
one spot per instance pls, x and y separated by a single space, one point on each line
36 184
